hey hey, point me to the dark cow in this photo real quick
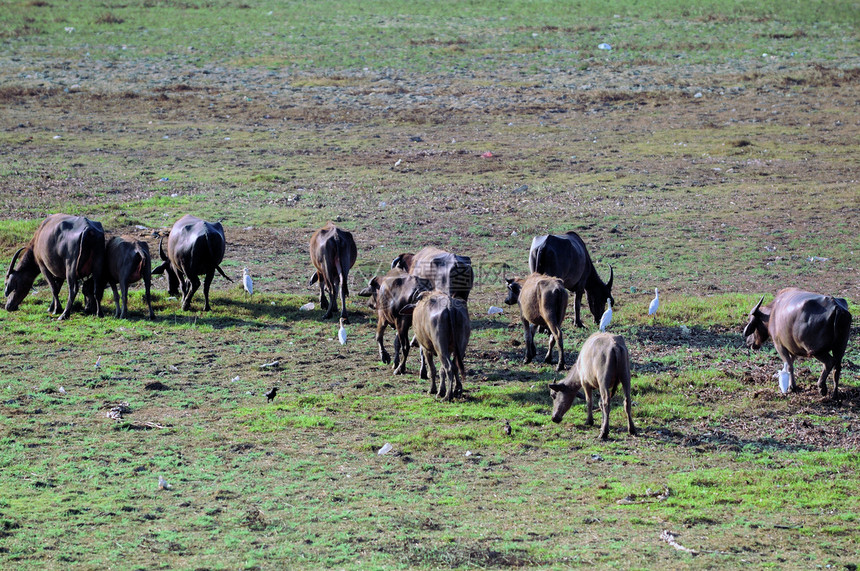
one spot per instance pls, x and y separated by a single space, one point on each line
803 324
543 303
565 256
127 261
449 273
603 364
194 247
333 253
388 296
442 328
64 247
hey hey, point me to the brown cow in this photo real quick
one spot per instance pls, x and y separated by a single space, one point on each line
333 253
543 303
442 328
64 247
603 364
803 324
388 296
127 261
449 273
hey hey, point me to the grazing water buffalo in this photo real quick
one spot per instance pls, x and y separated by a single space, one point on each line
449 273
333 253
194 247
803 324
603 364
442 328
388 296
64 247
543 303
565 256
127 261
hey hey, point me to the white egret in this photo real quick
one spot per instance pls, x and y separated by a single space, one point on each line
341 333
247 281
495 310
655 303
607 318
784 378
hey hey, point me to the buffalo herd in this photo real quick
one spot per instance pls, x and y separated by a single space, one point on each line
426 291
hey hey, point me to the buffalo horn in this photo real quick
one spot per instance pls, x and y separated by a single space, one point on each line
161 249
611 277
757 306
14 259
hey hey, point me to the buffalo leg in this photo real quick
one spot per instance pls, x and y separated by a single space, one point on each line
559 339
529 334
422 373
380 337
577 304
827 360
401 342
323 298
446 386
55 283
332 307
73 292
193 286
604 409
123 287
207 281
589 402
117 313
431 366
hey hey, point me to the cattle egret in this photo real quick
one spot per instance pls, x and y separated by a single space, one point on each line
655 303
495 310
784 379
247 281
98 362
341 333
607 318
307 307
270 396
162 484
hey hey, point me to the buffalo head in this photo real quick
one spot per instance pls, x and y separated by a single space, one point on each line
515 286
599 295
19 280
755 332
562 397
371 291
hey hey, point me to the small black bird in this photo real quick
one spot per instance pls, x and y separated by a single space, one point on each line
507 428
270 396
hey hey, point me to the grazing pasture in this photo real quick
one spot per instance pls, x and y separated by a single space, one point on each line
711 153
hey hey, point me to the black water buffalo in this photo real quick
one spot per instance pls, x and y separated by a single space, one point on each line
64 247
449 273
803 324
127 261
442 328
565 256
194 247
388 296
333 253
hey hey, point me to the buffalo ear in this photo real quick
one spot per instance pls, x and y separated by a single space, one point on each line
408 310
509 280
557 387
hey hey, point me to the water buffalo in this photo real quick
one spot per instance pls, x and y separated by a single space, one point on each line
194 247
803 324
603 364
388 296
543 303
333 253
449 273
442 328
127 261
565 256
64 247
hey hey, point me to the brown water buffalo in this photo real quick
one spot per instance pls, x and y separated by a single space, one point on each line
194 247
127 261
64 247
333 253
803 324
565 256
603 364
388 296
442 328
543 303
449 273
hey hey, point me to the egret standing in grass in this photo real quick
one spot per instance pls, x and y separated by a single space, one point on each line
655 303
607 317
341 333
247 282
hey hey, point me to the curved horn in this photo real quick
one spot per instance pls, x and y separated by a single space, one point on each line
757 306
14 259
161 249
611 277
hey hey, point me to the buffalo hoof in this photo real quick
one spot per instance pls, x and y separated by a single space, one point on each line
400 370
823 389
324 304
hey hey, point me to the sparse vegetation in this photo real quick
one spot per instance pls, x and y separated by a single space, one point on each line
711 153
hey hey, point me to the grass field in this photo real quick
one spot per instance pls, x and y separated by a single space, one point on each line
712 153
